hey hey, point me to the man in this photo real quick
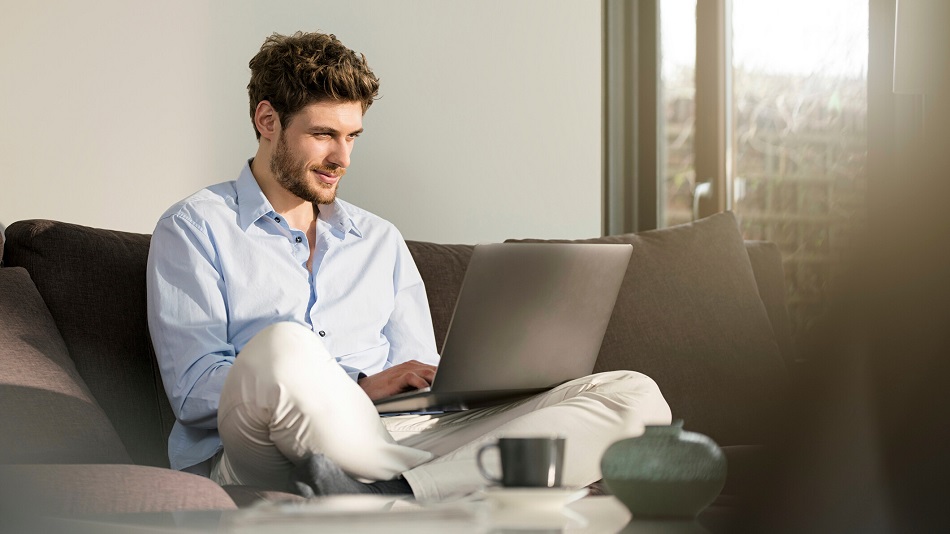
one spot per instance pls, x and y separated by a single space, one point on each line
279 312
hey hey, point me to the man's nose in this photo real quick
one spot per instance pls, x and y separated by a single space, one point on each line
340 154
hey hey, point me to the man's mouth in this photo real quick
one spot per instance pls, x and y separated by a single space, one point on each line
329 176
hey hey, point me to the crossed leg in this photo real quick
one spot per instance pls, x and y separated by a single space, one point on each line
286 399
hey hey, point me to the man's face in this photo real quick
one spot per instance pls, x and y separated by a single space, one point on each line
313 151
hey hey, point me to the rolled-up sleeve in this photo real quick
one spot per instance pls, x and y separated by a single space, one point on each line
188 319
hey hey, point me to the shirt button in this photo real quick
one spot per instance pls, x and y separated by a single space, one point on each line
322 333
277 219
298 239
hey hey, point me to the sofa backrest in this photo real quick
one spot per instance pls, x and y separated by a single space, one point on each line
443 269
93 282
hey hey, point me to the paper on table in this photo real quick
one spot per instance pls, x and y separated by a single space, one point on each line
359 513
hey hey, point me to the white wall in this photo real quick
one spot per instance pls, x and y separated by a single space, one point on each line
489 125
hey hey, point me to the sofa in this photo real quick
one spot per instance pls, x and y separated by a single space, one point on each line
85 418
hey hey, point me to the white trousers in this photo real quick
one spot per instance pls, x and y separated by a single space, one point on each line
286 398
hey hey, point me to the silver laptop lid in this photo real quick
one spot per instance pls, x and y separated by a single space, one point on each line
530 315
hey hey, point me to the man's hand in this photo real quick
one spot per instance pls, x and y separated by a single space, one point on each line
403 377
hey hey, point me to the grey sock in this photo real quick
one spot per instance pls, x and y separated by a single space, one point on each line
319 475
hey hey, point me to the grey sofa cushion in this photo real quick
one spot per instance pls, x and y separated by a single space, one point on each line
442 268
59 490
49 414
766 262
689 316
93 282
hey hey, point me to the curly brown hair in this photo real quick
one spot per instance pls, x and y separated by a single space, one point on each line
294 71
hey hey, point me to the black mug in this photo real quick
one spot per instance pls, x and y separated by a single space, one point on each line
526 462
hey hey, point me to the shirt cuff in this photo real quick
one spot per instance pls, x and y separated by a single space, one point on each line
354 373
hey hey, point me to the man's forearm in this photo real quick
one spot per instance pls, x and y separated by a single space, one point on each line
199 407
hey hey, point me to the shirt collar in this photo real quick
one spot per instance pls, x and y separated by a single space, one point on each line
252 204
339 219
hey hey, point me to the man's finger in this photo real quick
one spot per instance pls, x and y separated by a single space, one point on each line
416 381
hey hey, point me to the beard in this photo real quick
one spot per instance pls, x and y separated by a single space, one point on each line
293 174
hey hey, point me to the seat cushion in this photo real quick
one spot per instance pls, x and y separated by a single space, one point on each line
689 316
49 415
69 490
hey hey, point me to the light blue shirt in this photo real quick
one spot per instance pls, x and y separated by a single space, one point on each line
223 265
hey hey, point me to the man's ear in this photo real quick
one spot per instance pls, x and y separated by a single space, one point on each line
266 120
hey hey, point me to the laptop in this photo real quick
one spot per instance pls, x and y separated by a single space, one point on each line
529 316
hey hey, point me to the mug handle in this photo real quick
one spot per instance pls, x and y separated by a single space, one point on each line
481 467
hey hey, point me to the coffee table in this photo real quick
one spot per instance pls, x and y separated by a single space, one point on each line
342 514
591 515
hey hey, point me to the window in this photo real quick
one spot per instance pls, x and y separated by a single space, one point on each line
787 137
